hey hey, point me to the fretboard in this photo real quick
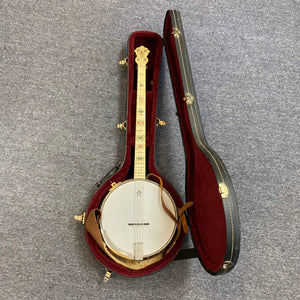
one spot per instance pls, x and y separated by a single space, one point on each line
140 126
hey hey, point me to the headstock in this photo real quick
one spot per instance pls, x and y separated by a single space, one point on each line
141 55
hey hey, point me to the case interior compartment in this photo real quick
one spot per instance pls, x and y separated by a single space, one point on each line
154 43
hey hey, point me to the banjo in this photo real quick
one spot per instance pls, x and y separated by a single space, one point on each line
138 217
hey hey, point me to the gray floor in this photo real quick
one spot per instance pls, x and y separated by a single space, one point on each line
62 93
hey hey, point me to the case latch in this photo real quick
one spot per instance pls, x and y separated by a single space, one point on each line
124 62
227 266
107 275
122 126
80 218
223 190
188 98
160 122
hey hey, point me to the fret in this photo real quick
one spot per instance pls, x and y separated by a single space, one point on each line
140 126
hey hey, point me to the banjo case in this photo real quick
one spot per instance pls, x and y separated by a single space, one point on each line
213 217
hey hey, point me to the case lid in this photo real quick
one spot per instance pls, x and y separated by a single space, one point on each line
214 216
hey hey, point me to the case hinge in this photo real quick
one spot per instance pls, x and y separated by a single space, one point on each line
188 98
176 32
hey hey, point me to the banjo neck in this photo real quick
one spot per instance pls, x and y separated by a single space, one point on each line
140 126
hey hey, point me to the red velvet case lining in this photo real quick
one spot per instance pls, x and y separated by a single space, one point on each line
154 43
207 218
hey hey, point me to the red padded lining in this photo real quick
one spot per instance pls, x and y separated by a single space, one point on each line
154 43
207 218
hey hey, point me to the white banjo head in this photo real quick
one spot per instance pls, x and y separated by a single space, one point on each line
133 221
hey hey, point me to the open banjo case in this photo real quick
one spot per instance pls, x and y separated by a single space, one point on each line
213 217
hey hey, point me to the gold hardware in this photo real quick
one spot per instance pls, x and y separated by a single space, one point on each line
160 122
176 32
80 218
124 62
114 185
227 265
107 275
223 190
122 126
188 98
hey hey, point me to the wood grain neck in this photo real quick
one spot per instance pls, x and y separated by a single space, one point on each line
140 126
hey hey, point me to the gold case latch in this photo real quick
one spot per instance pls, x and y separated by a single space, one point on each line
223 190
122 126
124 62
160 122
80 218
107 275
227 265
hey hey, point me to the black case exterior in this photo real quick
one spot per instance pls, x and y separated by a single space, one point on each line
224 182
